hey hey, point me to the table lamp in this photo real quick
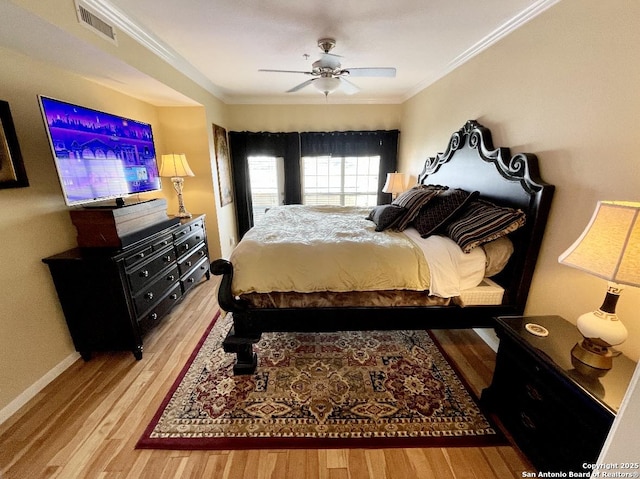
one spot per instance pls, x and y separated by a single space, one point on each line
608 248
175 166
396 183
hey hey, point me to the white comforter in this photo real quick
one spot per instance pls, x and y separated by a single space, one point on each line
333 248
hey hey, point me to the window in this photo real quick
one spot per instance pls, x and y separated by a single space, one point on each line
266 177
346 181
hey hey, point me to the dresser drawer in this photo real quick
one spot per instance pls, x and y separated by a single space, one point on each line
188 261
189 243
151 317
139 255
145 272
150 294
163 242
195 275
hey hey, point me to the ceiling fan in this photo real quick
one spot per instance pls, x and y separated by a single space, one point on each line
328 74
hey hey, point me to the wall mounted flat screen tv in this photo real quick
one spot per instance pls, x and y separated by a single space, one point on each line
99 156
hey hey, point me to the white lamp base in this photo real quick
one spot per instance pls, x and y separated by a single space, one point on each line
601 329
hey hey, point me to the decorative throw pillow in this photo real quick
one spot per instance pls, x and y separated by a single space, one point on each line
412 200
441 210
384 215
481 222
497 253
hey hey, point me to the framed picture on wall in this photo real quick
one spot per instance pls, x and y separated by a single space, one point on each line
12 172
223 165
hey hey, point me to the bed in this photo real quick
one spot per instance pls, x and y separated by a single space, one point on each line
470 164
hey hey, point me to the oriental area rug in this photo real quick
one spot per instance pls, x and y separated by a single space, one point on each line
320 390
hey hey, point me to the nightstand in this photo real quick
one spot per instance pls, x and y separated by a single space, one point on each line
558 417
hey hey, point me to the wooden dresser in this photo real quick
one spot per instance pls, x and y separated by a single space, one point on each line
559 417
112 297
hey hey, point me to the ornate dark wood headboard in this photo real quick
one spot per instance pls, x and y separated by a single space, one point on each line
505 180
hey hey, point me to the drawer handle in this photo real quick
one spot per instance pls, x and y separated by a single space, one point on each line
167 258
533 393
149 296
203 267
153 316
198 238
201 253
171 277
182 233
188 263
140 255
144 273
527 421
174 296
185 246
191 280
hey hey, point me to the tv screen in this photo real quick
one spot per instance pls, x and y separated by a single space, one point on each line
99 156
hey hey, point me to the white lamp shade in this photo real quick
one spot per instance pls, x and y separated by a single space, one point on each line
396 183
175 165
327 84
609 247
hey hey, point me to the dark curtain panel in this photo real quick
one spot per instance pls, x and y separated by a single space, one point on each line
245 144
356 143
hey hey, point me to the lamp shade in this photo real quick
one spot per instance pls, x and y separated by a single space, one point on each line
609 247
175 165
395 183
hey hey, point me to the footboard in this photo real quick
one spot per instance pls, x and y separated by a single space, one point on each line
241 337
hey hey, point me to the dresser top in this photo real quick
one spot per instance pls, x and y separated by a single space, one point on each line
555 351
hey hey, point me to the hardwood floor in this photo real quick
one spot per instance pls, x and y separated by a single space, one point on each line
86 422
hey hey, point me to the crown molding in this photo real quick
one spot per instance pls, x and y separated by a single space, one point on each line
152 43
498 34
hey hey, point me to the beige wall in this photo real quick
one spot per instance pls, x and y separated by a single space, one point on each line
34 221
564 86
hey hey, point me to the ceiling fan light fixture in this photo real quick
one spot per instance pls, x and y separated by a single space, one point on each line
327 84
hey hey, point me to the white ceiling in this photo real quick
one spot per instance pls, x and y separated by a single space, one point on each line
222 44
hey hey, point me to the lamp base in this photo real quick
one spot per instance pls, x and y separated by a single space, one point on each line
591 358
177 185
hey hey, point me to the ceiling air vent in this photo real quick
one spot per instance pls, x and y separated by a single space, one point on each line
95 23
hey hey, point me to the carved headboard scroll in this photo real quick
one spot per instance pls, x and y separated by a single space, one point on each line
472 163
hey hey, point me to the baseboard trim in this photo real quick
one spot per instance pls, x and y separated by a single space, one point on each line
29 393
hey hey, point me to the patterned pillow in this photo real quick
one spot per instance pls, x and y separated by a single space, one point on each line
441 210
412 200
384 215
482 222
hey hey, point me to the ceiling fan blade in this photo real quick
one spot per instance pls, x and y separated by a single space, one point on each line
301 86
348 87
285 71
371 72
